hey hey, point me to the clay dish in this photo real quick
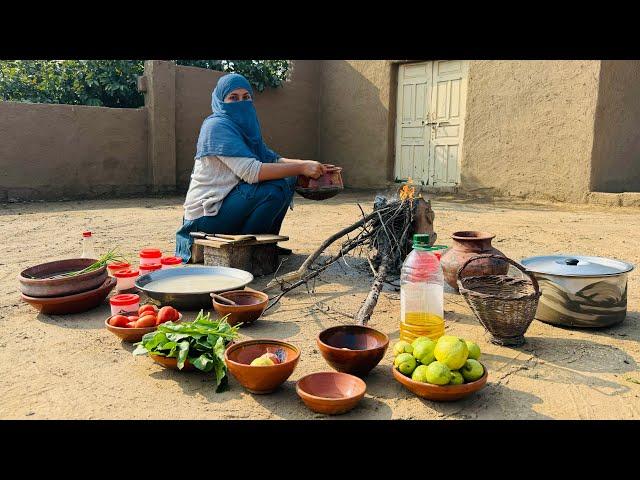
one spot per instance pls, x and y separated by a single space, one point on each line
132 334
172 363
261 379
331 393
441 393
353 349
59 287
251 305
77 303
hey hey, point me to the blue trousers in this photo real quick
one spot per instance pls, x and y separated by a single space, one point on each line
247 209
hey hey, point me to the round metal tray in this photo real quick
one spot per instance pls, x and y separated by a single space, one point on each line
238 279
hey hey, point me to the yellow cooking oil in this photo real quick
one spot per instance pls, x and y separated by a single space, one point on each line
421 324
421 293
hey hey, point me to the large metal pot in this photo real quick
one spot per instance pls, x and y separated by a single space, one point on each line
580 291
194 299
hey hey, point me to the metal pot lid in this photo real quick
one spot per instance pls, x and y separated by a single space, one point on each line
576 265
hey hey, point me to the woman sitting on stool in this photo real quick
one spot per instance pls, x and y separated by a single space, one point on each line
238 185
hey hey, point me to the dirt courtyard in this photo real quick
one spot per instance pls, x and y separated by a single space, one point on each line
71 367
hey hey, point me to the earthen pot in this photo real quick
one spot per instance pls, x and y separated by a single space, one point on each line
77 303
326 186
467 244
257 378
441 393
331 393
251 305
353 349
40 286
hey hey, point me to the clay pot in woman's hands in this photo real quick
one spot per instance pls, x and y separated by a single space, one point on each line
326 186
467 244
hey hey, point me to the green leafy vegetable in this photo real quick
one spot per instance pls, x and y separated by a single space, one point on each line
201 342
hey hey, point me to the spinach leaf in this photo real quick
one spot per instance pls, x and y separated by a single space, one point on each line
183 352
204 362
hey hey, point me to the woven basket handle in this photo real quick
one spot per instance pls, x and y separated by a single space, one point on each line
500 257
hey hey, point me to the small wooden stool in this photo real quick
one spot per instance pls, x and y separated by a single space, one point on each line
254 253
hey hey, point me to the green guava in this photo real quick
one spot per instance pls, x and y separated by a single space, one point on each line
452 351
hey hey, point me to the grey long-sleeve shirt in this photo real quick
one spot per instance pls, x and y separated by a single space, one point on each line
212 179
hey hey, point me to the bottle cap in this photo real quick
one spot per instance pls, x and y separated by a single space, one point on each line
421 241
86 234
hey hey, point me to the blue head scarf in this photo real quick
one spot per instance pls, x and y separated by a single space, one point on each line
233 130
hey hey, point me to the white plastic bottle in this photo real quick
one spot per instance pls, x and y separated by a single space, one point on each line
87 246
421 293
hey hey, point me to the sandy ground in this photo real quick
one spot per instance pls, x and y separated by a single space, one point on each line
71 367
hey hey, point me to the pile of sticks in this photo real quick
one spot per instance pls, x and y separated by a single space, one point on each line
385 235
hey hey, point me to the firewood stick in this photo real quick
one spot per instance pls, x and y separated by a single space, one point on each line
366 310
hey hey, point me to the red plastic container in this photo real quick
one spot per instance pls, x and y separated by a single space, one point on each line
126 279
117 266
150 256
149 267
170 262
127 302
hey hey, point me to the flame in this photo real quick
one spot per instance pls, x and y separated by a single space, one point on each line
407 192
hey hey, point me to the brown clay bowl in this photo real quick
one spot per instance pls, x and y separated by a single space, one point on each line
132 334
441 393
331 393
251 304
261 379
326 186
353 349
172 363
39 287
77 303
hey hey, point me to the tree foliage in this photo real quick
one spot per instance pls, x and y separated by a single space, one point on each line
110 83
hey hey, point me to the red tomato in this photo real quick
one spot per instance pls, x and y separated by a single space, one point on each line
119 321
167 314
131 325
133 318
146 321
147 308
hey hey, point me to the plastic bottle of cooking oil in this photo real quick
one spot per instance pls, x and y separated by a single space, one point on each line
87 245
421 293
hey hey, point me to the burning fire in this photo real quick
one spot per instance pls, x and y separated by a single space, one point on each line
407 192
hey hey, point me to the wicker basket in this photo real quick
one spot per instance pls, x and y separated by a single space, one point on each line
504 305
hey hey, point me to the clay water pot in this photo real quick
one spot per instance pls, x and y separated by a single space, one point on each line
326 186
467 244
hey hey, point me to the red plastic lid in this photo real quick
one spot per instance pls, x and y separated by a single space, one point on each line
120 265
128 273
171 260
150 253
86 234
124 299
151 266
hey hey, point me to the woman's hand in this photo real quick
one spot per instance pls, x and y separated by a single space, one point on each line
313 169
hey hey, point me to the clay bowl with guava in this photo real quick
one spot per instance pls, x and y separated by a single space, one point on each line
441 393
261 379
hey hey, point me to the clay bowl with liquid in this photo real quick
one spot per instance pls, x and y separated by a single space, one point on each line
353 349
76 303
132 334
331 393
251 305
441 393
40 286
261 379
